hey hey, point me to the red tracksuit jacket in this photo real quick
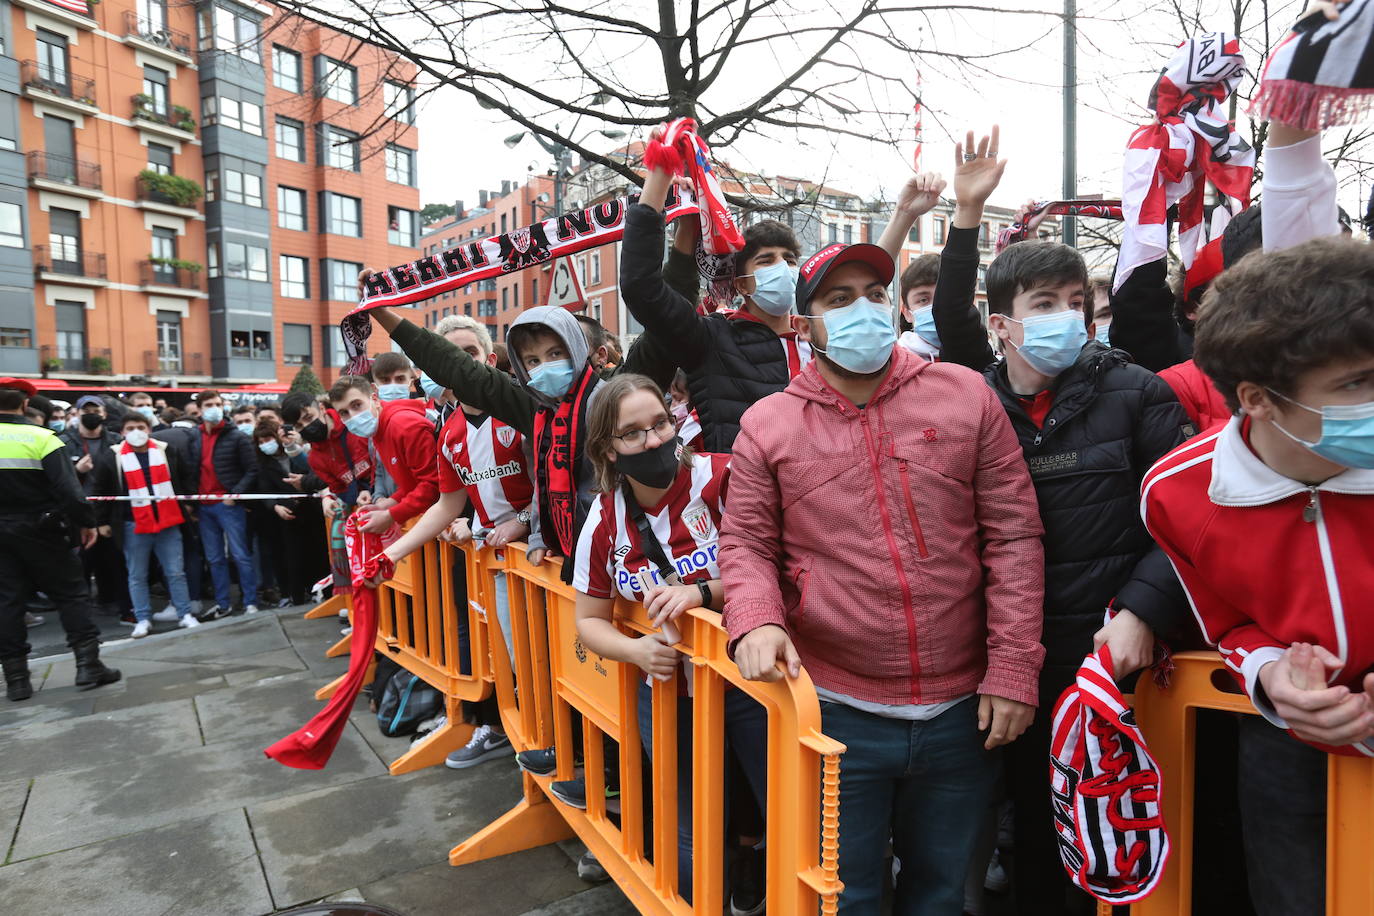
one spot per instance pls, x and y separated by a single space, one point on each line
1267 561
407 448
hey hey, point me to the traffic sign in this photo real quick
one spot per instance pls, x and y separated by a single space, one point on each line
564 288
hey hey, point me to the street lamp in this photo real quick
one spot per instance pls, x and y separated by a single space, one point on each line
562 156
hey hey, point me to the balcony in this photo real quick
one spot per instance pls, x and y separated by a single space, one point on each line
172 121
155 37
50 172
171 362
170 194
70 266
69 361
171 277
61 88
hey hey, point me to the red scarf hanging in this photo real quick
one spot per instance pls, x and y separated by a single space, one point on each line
558 439
156 510
311 746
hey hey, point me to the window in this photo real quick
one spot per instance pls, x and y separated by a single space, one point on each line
344 216
341 280
341 148
401 226
295 344
290 139
834 234
52 59
915 234
984 233
155 88
487 308
290 208
595 260
848 234
159 158
594 308
534 291
212 261
262 344
11 225
16 337
239 115
242 188
224 29
504 303
939 238
294 275
338 81
168 342
71 334
247 262
400 101
152 17
334 345
400 164
286 69
164 251
64 239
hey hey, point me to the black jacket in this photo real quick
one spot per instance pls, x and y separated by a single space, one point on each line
79 446
272 473
36 475
109 480
1108 423
234 463
1143 322
730 363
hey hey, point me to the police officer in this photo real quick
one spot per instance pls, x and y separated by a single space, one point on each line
38 496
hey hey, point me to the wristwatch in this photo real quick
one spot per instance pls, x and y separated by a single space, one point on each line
523 517
705 594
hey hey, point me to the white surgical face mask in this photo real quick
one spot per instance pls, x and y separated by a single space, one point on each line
136 437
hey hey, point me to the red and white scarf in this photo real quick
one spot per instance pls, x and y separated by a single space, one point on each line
155 511
1190 143
676 149
1322 74
1105 789
1019 230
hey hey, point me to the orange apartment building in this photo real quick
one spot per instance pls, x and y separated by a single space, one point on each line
191 185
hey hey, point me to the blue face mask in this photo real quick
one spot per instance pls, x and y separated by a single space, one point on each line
552 380
1347 433
362 424
212 415
395 392
859 336
246 428
775 288
1103 327
432 389
923 323
57 425
1051 342
146 411
269 447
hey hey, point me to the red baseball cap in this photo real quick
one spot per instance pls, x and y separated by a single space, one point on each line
21 384
814 270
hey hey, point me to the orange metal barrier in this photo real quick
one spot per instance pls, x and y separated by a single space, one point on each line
1168 720
558 675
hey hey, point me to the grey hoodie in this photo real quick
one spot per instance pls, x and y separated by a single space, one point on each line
561 322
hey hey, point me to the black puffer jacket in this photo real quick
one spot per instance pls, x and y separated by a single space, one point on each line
730 362
1110 421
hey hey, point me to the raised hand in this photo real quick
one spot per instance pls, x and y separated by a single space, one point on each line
920 194
977 170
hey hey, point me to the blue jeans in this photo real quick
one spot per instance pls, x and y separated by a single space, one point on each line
746 734
925 785
217 522
167 545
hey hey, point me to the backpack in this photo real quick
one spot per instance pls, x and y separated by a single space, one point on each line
405 702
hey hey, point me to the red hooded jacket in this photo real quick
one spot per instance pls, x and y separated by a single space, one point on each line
330 464
898 545
408 450
1200 398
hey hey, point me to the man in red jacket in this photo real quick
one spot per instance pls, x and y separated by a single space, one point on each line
1267 521
405 444
882 530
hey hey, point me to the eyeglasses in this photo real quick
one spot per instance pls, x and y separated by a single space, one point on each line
637 437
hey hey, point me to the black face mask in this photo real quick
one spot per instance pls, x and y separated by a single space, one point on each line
92 421
655 467
315 431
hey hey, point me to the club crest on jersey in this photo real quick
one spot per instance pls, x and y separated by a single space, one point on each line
505 435
698 522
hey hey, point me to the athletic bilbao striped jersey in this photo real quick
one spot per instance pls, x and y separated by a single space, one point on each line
488 460
610 561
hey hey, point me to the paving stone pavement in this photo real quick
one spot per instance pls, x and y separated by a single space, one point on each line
152 796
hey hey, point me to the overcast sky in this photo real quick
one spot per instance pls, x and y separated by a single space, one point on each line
462 149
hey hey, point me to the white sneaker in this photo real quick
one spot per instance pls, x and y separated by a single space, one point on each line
345 631
251 609
142 629
996 879
343 613
188 622
166 615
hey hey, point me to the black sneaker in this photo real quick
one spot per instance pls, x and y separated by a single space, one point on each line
541 761
215 612
747 883
588 869
573 792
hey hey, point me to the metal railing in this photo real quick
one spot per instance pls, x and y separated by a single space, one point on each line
159 362
69 261
88 360
180 117
63 170
58 81
158 273
156 33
